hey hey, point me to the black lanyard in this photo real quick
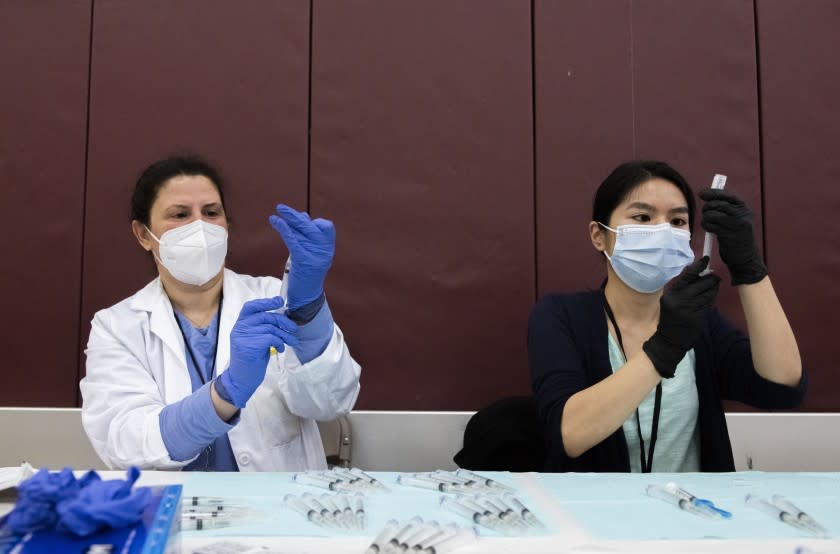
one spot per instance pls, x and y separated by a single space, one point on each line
647 464
215 347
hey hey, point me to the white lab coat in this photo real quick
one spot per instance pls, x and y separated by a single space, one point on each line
136 365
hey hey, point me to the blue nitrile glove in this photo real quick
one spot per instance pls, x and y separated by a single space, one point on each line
48 501
256 330
103 504
311 244
37 497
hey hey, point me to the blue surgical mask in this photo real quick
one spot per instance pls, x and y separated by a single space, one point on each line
646 257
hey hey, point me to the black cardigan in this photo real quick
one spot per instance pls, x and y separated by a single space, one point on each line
567 347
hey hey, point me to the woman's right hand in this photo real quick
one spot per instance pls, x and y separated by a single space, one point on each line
681 311
255 332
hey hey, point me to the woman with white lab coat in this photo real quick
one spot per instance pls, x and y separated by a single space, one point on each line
207 369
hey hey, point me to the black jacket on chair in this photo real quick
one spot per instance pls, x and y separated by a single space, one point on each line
504 436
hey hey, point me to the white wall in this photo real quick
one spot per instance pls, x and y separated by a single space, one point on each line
785 442
424 441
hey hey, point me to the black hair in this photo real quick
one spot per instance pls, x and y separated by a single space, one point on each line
153 177
626 177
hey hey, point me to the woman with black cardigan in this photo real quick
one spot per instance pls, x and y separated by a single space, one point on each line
631 377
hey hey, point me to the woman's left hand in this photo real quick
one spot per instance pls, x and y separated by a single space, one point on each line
311 244
730 219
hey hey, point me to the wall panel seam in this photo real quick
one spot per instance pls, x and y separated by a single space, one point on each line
80 325
534 150
760 115
632 80
309 113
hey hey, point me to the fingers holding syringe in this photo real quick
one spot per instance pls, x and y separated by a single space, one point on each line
272 336
273 319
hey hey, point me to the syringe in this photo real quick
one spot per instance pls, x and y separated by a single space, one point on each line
322 482
215 502
305 510
343 503
332 506
420 482
343 516
420 534
790 507
686 501
448 543
378 544
359 508
451 478
776 512
327 515
284 293
374 482
201 523
485 481
520 508
284 285
440 534
351 479
709 239
502 510
474 513
357 480
223 511
409 528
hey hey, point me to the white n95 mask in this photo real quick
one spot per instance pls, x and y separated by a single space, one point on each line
193 253
646 257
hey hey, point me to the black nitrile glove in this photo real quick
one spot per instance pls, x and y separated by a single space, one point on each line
681 312
730 220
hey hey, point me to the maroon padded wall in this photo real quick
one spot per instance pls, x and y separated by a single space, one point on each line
665 80
422 153
44 50
456 145
696 102
223 79
584 128
800 88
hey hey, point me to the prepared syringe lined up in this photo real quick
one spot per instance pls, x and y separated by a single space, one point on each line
420 537
202 513
504 513
339 479
338 511
451 482
785 511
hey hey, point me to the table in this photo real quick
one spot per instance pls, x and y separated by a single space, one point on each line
584 513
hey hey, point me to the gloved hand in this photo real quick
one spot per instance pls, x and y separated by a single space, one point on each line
681 311
311 244
256 330
730 220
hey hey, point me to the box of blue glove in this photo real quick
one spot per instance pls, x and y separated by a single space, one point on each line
157 533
